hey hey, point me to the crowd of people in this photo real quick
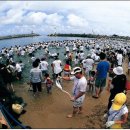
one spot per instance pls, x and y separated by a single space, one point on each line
92 62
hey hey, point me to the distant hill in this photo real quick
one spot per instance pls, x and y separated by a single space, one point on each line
18 36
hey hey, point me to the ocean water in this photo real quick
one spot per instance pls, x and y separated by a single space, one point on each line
39 53
27 40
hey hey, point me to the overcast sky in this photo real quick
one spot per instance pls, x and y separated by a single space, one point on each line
44 17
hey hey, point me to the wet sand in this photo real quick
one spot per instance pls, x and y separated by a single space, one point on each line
49 111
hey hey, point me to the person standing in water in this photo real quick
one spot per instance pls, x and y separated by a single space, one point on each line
79 89
101 75
36 78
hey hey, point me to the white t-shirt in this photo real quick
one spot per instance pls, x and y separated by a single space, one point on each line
30 50
81 48
44 65
84 63
76 61
67 48
57 66
74 47
22 52
93 56
18 68
80 85
82 55
10 52
97 58
119 59
89 64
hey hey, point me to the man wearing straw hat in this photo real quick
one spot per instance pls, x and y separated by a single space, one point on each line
118 113
79 89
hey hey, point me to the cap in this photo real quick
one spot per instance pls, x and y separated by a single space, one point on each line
76 70
118 70
118 101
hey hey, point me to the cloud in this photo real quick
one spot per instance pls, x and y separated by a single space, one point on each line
11 17
76 21
54 19
35 18
103 17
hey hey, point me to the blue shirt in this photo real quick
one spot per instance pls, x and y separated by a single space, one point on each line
102 69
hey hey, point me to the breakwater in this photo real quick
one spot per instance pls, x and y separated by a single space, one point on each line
18 36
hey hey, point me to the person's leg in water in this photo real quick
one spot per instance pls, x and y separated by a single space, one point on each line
91 88
97 92
100 84
48 89
34 88
75 110
97 88
101 89
80 110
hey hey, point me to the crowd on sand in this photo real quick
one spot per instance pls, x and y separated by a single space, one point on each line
89 71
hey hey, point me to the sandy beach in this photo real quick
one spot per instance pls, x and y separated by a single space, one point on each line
49 111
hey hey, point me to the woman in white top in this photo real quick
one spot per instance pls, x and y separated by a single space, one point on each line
44 66
56 67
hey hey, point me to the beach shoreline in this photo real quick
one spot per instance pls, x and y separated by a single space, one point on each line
49 111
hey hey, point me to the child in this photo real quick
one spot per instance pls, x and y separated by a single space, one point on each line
67 69
118 113
49 83
91 80
76 61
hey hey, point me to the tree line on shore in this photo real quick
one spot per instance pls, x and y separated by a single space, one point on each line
114 36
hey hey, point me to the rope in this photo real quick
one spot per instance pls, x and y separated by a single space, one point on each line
12 117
